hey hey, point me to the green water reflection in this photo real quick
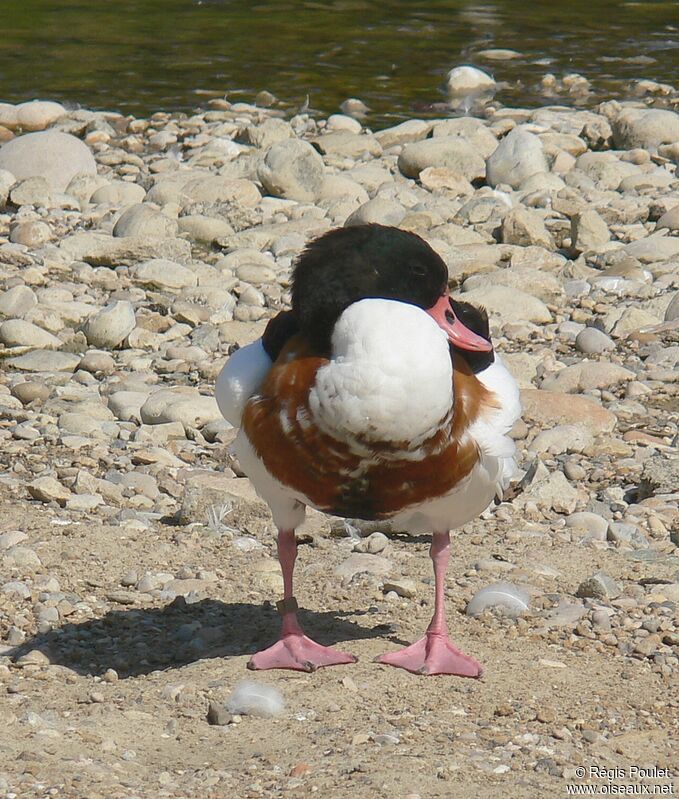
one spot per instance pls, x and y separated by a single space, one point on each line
143 55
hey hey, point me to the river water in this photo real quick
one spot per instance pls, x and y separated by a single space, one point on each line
139 56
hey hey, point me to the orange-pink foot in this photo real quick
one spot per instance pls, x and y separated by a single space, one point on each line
300 653
433 654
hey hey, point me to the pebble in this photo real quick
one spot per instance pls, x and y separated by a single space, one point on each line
110 427
589 524
254 698
48 489
593 342
599 586
110 326
512 599
517 157
292 169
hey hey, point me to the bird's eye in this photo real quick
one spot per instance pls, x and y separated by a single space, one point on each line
419 270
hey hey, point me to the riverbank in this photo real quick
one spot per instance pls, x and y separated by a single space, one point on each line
138 567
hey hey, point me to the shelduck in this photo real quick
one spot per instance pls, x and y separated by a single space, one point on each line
377 396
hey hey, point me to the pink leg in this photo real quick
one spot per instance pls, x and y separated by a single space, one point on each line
435 653
294 650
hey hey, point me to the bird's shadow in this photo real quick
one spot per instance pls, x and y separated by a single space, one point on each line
138 641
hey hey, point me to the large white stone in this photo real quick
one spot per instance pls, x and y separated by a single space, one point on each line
144 220
518 156
292 169
18 333
454 152
56 156
647 128
110 326
161 274
509 304
38 114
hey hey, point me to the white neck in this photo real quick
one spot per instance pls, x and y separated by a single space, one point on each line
390 375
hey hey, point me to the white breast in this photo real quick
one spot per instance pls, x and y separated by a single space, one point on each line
390 375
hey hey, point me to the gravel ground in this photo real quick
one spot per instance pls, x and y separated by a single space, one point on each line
138 567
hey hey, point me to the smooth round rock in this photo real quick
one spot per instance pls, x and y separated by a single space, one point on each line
29 391
95 361
110 326
31 234
592 341
56 156
17 301
292 169
162 274
18 333
143 220
518 156
38 114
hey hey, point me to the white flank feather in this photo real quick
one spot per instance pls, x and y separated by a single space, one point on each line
240 378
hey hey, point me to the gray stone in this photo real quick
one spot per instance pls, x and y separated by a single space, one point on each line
7 180
599 586
469 128
11 538
587 376
622 533
671 312
29 391
31 234
38 114
588 231
349 145
45 361
110 326
292 169
592 341
204 228
164 275
525 227
587 523
555 493
562 438
359 563
465 83
669 220
119 192
633 319
403 133
653 248
660 475
647 128
18 333
126 405
32 191
453 152
97 362
48 489
17 301
218 715
219 190
379 210
518 156
509 304
142 220
403 587
100 249
57 157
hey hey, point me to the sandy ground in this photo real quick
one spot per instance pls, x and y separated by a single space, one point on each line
366 730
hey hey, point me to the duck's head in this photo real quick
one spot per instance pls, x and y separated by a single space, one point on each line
363 262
